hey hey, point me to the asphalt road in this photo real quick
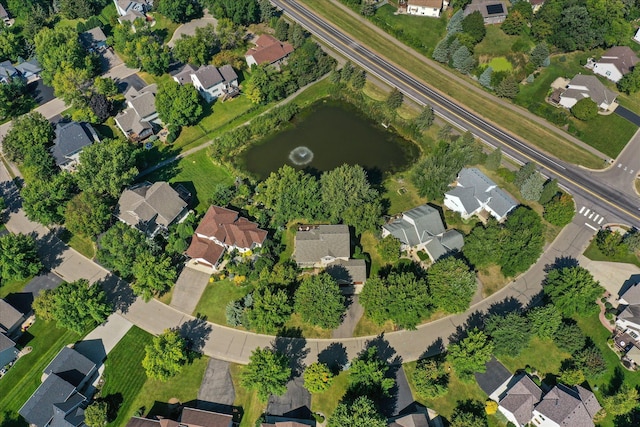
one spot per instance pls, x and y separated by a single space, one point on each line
600 195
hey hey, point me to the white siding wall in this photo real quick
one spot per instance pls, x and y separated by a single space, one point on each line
609 71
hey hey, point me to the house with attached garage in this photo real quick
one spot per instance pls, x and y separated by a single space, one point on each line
141 6
474 193
223 229
268 50
422 228
210 81
431 8
8 72
492 11
151 208
329 247
29 70
11 320
71 138
583 86
189 417
138 119
616 62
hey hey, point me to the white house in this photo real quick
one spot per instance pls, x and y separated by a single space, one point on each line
210 81
430 8
637 36
475 192
616 62
125 6
583 86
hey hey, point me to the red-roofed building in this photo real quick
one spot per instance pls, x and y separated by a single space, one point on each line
268 50
222 229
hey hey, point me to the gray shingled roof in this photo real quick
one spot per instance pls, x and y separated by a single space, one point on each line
568 406
494 376
144 104
466 196
183 76
452 240
597 91
71 366
348 272
7 70
208 76
228 73
5 342
131 122
321 241
29 67
9 316
131 16
147 202
632 294
475 188
411 420
70 138
631 314
142 422
69 413
93 37
623 57
521 399
3 12
427 224
500 202
38 410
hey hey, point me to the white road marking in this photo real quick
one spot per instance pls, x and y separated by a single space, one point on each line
591 226
591 215
601 219
581 209
631 171
619 164
586 212
595 218
625 168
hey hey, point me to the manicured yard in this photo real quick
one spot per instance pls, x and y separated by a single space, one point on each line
419 32
296 324
247 399
542 355
401 193
368 241
23 378
197 174
592 252
609 134
327 401
82 244
164 26
495 43
224 112
12 286
215 298
124 375
500 63
367 327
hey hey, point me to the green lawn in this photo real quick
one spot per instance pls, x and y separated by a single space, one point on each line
247 399
164 26
215 298
222 113
401 194
417 31
609 134
327 401
500 63
196 173
82 244
592 252
124 376
543 355
24 377
495 43
12 286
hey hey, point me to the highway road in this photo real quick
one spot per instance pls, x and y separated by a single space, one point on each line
590 192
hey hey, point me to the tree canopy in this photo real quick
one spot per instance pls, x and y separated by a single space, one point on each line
451 284
361 413
573 290
79 305
27 131
510 333
368 375
430 378
18 257
107 167
319 301
166 356
119 247
87 214
268 372
179 11
317 377
152 274
178 104
470 355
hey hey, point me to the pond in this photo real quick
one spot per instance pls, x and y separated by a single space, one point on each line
327 135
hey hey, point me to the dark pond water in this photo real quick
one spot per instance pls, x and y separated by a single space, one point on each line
326 136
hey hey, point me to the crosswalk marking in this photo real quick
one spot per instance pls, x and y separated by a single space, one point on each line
601 219
591 215
581 209
595 218
619 165
586 212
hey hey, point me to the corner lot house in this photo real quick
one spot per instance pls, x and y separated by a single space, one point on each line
268 50
422 228
474 194
136 122
430 8
124 6
59 401
210 81
70 139
492 11
189 417
223 229
329 247
616 62
582 86
151 207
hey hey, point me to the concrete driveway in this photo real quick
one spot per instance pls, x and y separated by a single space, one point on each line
188 289
189 28
99 342
217 386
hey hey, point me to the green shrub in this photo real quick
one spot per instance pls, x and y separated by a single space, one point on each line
506 174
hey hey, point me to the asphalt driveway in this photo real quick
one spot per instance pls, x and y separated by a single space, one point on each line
628 114
216 388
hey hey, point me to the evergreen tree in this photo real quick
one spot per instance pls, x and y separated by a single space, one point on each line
539 54
531 189
494 159
524 173
460 60
549 190
485 78
508 87
395 99
442 50
282 29
425 119
455 23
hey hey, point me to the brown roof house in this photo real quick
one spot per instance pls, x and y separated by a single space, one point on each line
136 122
222 229
189 417
430 8
616 62
329 247
151 207
268 50
492 11
211 82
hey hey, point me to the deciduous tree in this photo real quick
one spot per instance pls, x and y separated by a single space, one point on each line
470 355
560 210
178 104
368 375
166 356
573 290
389 249
451 284
630 82
27 131
361 413
623 402
199 48
18 257
317 377
510 333
152 274
107 167
430 378
179 11
14 98
585 109
494 159
545 321
59 48
44 304
270 311
96 414
80 305
45 201
268 372
473 25
87 214
120 246
319 301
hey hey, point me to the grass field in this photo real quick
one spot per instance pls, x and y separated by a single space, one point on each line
196 173
543 355
247 399
327 401
495 43
500 63
593 253
609 134
82 244
124 376
547 139
24 377
12 286
215 298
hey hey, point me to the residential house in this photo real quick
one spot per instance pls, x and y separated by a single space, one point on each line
616 62
286 424
492 11
136 121
268 50
422 228
329 247
29 70
210 81
583 86
151 207
124 6
59 401
223 229
4 16
430 8
130 17
8 72
94 39
189 417
11 319
70 140
636 37
418 419
536 5
628 319
8 350
474 194
523 403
